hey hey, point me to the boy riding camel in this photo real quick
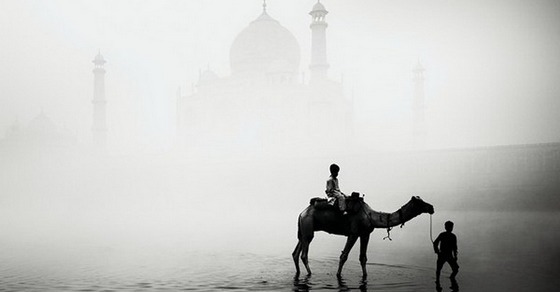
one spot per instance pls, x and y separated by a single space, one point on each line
333 191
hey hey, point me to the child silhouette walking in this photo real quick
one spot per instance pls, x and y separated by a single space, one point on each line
445 246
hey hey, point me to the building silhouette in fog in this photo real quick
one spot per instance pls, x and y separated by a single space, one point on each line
42 134
265 103
38 135
99 125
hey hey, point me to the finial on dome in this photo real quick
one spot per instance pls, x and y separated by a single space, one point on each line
264 15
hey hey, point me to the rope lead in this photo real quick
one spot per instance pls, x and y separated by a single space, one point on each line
431 236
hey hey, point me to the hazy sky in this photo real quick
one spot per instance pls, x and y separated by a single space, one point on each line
493 72
492 66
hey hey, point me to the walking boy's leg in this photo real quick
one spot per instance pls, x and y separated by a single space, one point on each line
439 265
454 268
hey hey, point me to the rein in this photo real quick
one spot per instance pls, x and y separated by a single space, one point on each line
388 229
401 219
371 219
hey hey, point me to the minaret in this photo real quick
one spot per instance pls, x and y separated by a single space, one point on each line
99 127
419 127
319 65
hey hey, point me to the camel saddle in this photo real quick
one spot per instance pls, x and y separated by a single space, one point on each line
325 203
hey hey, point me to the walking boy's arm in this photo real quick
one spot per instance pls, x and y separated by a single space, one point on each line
436 243
455 248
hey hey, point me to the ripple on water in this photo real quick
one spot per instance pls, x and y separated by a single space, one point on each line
241 272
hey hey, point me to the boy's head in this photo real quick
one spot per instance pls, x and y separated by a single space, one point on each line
449 226
334 169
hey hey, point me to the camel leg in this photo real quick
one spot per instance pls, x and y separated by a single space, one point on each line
344 256
305 235
364 240
295 256
304 254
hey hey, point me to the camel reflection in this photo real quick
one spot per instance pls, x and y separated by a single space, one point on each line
342 286
301 285
304 284
454 286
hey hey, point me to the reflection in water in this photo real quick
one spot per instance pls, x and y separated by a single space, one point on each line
105 262
454 285
363 284
342 284
343 287
301 285
304 284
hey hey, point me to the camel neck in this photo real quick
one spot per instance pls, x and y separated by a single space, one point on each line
385 220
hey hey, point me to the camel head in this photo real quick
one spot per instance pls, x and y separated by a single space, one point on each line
419 206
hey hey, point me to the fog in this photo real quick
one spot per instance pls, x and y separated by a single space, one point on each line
89 221
491 68
190 167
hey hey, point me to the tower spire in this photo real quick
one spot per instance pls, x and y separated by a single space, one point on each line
264 5
99 127
319 64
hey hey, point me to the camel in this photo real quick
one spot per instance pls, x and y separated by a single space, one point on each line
359 222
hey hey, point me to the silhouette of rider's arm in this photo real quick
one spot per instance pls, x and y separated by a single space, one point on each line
331 188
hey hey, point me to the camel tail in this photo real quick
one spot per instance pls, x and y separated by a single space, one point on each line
299 227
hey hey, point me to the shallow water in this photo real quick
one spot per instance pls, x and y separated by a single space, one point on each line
404 264
242 272
136 227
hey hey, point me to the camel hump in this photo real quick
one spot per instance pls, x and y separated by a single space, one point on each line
321 204
317 200
355 197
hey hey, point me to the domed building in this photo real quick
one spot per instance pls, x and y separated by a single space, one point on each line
265 104
39 135
265 48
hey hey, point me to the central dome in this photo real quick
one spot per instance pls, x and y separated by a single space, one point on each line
262 45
